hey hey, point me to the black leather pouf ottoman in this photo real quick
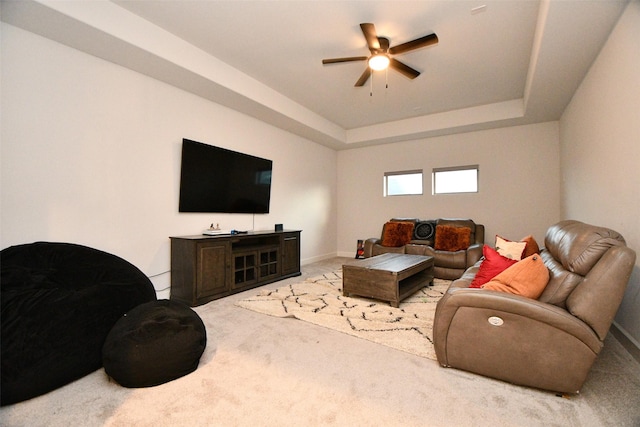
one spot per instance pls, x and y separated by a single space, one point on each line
154 343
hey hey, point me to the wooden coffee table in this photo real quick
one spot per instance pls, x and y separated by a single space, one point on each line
387 277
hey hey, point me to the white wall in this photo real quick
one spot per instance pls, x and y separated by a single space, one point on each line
519 181
600 149
91 154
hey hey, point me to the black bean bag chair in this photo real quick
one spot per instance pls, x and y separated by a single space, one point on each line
59 301
154 343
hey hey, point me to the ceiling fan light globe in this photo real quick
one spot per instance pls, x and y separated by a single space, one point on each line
379 62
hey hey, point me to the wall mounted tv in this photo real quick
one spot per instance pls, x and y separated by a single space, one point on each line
214 179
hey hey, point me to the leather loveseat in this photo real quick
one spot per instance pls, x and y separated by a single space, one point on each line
449 263
550 342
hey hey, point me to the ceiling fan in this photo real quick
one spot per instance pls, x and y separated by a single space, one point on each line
381 54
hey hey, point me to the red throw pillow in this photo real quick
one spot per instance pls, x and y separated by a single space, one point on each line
493 264
397 233
451 239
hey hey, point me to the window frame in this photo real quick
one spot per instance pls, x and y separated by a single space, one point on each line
385 186
435 171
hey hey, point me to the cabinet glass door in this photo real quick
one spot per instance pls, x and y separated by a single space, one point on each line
245 269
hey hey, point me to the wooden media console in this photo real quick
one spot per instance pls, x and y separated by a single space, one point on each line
204 268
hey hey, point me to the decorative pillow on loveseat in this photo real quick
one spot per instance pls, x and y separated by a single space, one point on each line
526 247
450 238
527 278
510 249
397 233
492 265
531 248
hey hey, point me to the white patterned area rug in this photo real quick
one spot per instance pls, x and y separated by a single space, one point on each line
319 300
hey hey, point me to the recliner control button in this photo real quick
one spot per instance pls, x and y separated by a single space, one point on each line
495 321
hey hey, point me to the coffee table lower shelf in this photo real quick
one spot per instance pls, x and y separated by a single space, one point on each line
387 277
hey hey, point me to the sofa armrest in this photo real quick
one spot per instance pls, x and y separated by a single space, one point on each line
368 246
480 234
514 305
513 338
467 277
474 253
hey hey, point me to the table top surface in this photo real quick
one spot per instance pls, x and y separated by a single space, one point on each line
390 262
250 233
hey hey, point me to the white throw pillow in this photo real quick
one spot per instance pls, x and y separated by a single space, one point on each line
511 250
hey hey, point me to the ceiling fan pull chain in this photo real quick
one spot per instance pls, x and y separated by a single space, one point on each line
371 81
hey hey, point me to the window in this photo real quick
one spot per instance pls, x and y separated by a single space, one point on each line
402 183
461 179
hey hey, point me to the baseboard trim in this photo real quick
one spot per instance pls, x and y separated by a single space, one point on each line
627 342
347 254
311 260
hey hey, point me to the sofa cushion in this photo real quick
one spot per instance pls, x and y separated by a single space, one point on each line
413 249
379 250
510 249
397 233
492 265
450 238
527 278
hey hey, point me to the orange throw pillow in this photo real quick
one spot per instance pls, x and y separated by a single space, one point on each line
451 239
531 248
397 233
527 278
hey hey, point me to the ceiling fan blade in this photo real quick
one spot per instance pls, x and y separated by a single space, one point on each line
364 77
349 59
369 31
403 68
414 44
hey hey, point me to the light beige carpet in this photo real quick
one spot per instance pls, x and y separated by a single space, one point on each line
319 300
267 371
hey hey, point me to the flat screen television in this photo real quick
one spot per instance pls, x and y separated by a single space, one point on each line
214 179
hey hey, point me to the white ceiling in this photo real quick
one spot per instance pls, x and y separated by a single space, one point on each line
512 62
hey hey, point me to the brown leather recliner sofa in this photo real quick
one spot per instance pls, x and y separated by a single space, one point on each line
549 343
448 265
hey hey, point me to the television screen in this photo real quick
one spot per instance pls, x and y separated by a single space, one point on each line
214 179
